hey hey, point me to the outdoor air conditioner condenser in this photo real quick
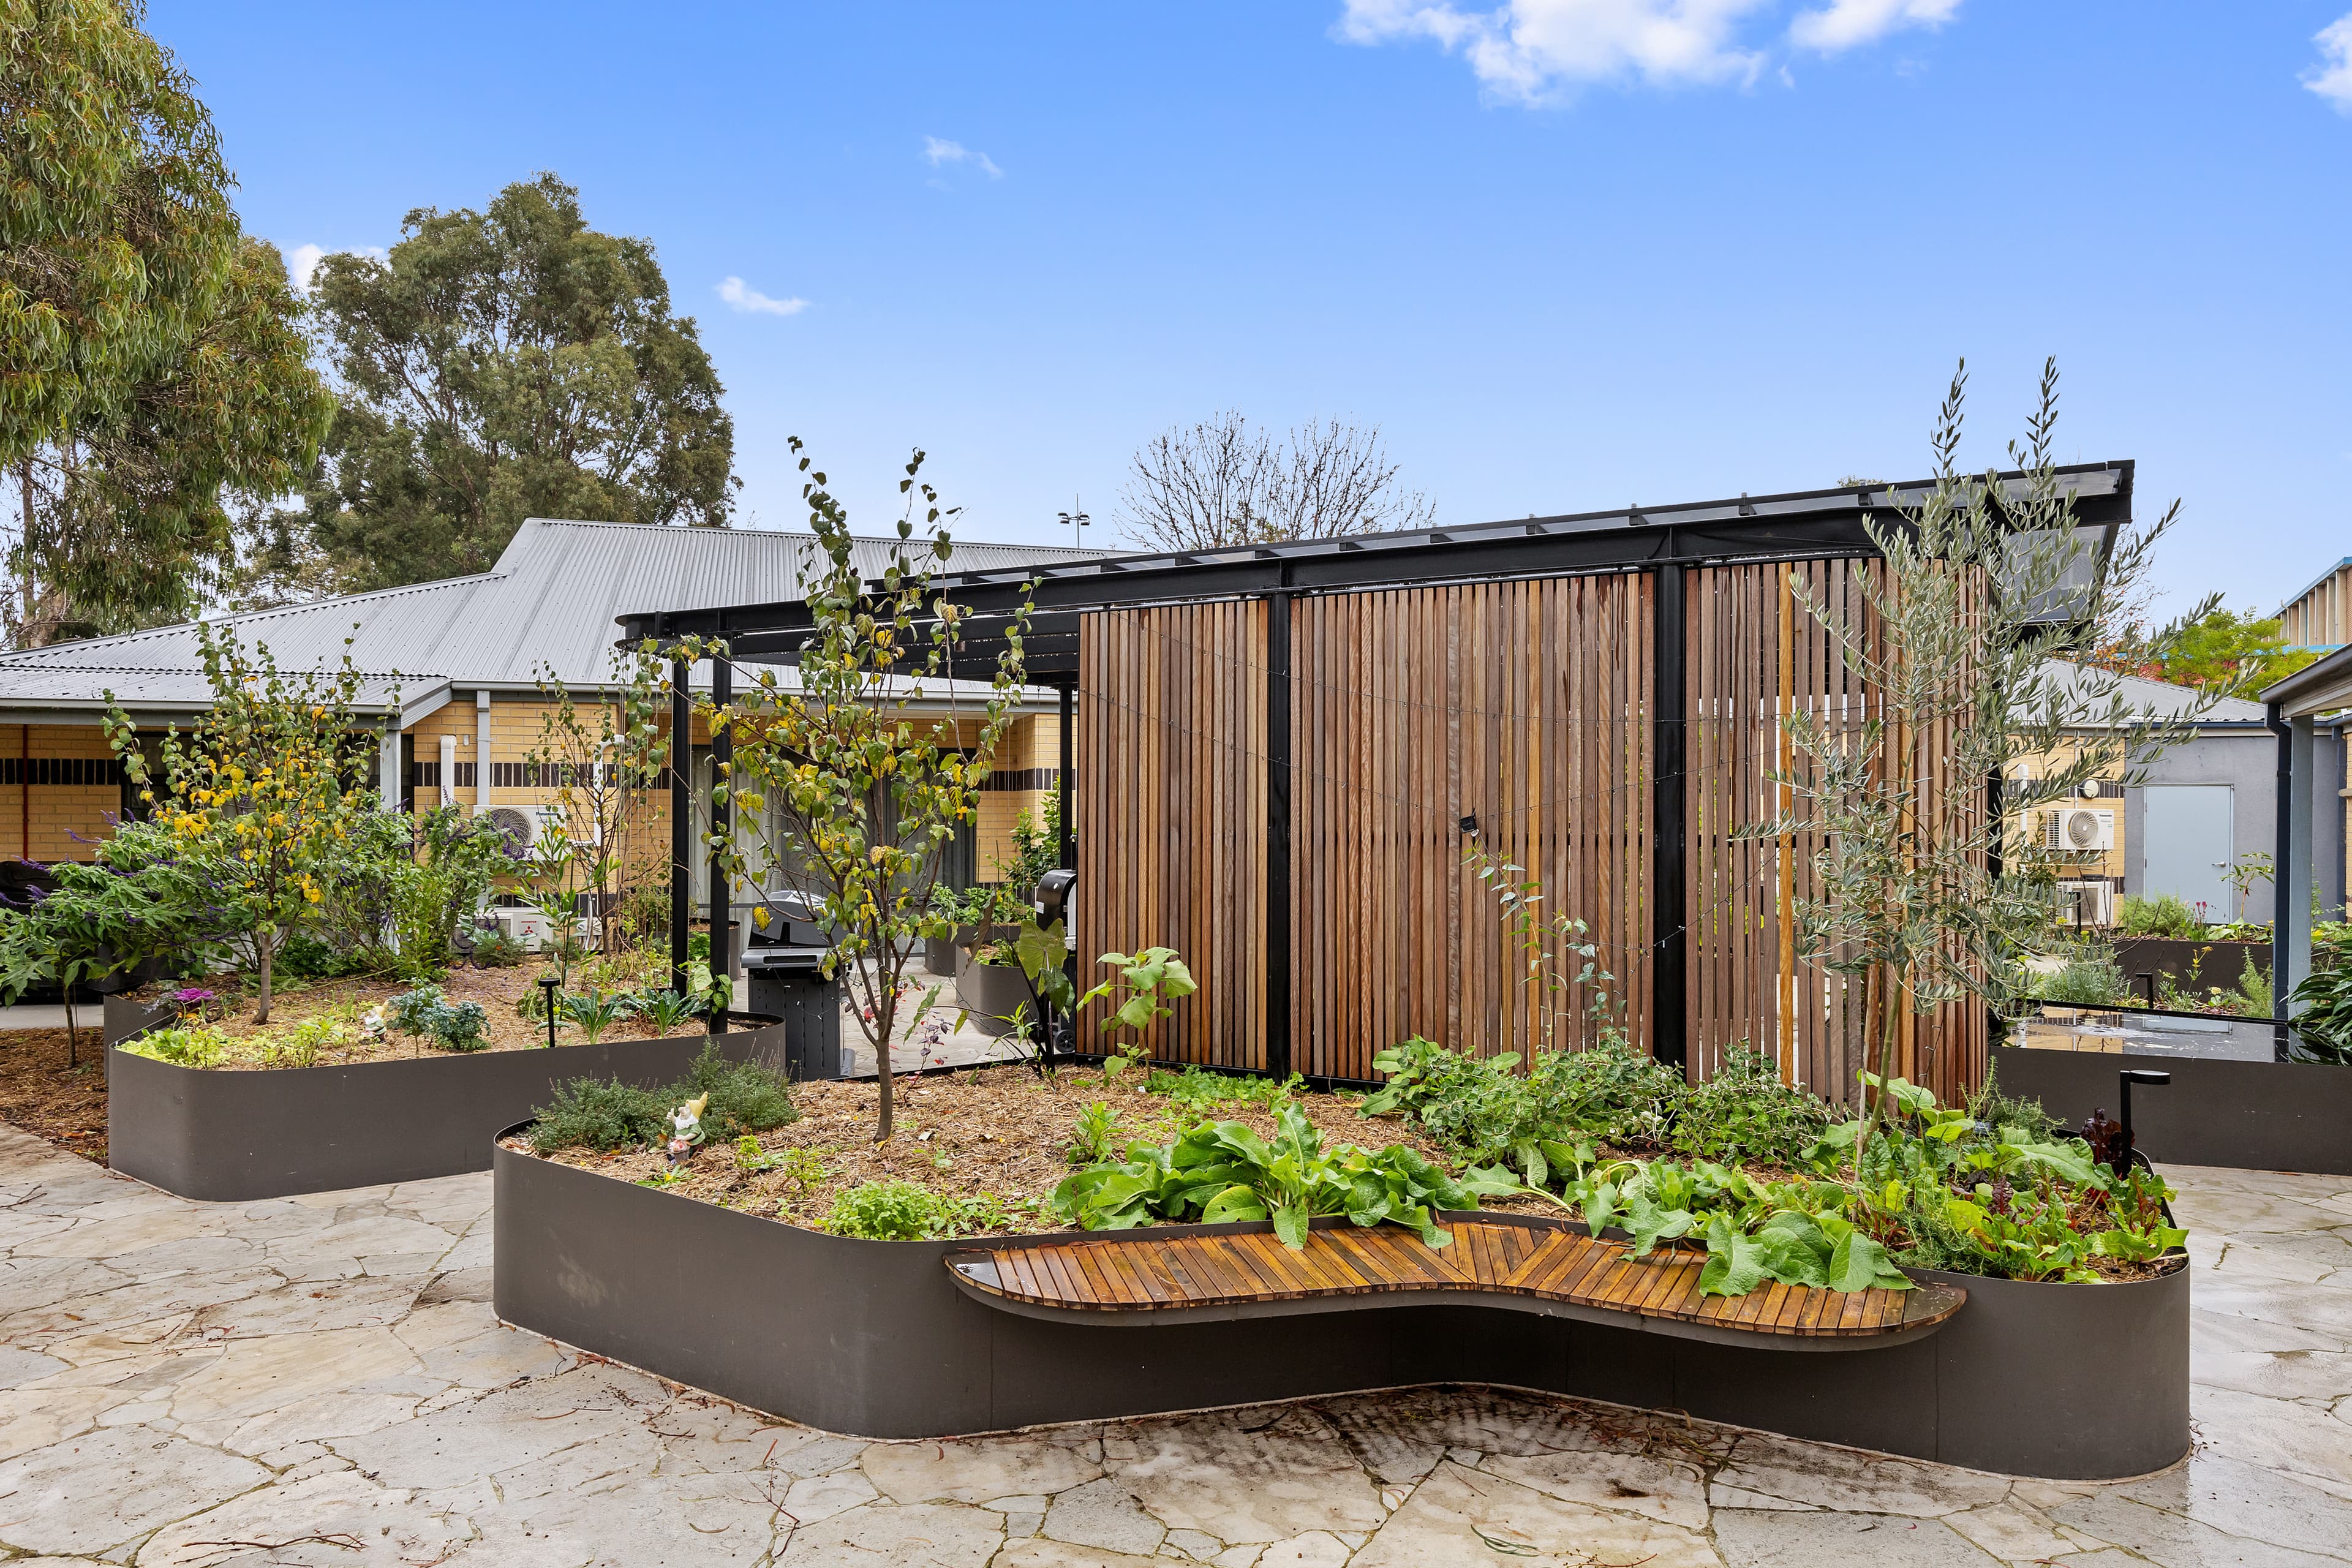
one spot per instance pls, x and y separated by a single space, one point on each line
2078 831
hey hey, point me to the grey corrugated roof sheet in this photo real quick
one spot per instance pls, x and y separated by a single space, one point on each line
69 690
2141 695
550 601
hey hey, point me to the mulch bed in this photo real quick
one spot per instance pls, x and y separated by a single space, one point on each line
996 1129
498 990
39 1093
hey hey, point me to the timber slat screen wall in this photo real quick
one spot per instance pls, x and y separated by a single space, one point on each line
1528 705
1172 818
1520 704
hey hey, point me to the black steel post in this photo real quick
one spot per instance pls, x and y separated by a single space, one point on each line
1277 835
681 819
1996 1027
1066 854
1668 918
722 816
2282 903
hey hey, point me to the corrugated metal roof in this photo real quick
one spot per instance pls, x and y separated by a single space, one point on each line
549 603
2143 696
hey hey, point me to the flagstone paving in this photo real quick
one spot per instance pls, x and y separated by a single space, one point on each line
320 1381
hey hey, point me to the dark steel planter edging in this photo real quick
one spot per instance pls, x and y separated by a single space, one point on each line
873 1339
232 1136
2217 962
2251 1116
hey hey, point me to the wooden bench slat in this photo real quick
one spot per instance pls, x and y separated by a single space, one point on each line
1139 1271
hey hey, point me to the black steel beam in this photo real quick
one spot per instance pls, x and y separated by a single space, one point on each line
1278 836
1803 524
1669 916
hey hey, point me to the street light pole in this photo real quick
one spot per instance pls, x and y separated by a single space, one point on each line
1076 521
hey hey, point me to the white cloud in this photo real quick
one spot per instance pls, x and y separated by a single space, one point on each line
1844 24
936 152
303 260
1530 50
2332 81
750 300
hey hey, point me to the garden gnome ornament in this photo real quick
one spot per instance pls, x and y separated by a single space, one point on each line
686 1127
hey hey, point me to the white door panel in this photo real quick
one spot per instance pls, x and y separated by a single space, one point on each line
2186 847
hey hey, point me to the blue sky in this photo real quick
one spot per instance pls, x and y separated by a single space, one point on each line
1568 254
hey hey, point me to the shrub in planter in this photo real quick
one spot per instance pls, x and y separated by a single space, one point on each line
745 1098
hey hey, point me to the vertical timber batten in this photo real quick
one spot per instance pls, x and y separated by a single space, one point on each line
1669 997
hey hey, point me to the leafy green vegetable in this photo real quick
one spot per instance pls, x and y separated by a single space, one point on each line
1221 1171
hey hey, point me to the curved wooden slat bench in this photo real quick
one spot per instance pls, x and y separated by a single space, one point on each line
1136 1278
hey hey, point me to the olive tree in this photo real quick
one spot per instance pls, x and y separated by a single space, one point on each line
1967 643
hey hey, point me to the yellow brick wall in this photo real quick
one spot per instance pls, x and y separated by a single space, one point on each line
55 822
58 812
2109 863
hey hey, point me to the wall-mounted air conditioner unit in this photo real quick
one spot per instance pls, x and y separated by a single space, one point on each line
2086 903
2077 831
520 828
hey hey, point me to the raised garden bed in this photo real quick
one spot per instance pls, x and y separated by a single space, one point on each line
874 1338
2190 962
2251 1115
230 1136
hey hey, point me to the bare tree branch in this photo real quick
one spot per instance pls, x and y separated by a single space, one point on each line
1221 483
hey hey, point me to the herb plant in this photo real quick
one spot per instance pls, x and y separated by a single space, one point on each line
196 1046
903 1211
606 1115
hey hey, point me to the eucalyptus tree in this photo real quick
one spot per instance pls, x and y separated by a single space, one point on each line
152 369
500 364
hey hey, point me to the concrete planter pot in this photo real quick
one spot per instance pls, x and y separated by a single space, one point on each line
2254 1116
990 990
231 1136
873 1338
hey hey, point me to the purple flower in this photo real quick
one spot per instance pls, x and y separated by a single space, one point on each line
194 994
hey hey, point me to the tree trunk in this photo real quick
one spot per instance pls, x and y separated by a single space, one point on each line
885 1018
73 1036
24 587
266 950
1870 1098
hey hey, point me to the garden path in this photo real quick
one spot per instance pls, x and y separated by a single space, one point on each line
320 1381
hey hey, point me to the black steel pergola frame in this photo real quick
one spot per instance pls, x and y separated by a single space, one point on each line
1810 525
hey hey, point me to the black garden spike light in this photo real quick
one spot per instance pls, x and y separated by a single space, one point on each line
549 982
2130 1076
